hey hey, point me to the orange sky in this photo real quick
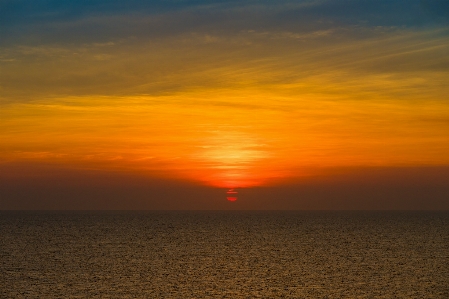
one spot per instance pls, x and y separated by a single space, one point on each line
211 137
222 103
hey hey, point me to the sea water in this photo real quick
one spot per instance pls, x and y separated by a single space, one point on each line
224 255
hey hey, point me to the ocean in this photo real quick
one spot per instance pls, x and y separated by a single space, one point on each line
212 254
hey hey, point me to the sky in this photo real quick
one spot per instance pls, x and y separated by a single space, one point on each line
168 104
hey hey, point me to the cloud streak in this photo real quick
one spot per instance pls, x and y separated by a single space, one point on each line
85 22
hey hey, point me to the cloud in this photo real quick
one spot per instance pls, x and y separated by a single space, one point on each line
389 61
99 21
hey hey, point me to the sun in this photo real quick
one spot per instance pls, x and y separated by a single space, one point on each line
231 195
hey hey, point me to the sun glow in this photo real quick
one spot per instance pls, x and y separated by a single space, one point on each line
231 157
224 146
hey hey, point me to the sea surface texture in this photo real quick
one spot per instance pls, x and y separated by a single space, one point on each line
224 255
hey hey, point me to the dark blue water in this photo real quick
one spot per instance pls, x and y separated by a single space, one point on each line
224 255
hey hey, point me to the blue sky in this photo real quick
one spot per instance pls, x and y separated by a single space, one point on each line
37 21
